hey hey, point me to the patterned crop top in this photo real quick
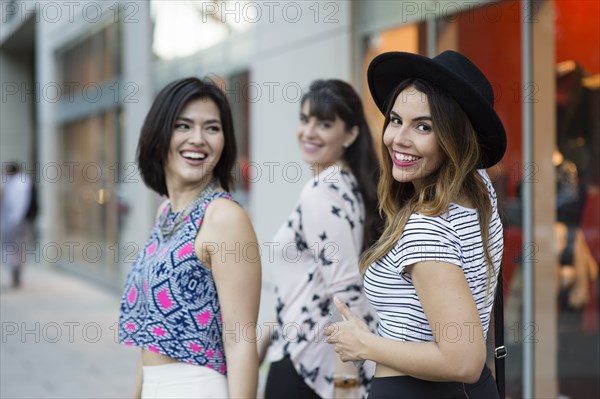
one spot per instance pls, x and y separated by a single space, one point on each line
170 303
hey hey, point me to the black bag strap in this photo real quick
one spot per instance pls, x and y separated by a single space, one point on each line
500 350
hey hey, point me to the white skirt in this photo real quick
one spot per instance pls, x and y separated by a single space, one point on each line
182 380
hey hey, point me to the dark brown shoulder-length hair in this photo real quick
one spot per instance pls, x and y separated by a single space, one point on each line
331 98
155 137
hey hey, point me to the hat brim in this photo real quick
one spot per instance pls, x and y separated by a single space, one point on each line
388 70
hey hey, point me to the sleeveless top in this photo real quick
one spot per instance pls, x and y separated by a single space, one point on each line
170 303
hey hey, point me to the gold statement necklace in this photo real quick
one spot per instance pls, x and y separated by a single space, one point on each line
167 229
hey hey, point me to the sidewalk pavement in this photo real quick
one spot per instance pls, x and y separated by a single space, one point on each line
59 339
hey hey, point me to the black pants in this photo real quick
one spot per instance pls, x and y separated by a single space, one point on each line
283 382
409 387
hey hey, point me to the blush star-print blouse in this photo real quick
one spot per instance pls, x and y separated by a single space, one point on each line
316 258
170 303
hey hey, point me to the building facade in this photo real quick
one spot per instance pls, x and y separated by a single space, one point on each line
78 78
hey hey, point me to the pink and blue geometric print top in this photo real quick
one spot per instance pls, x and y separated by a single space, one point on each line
170 303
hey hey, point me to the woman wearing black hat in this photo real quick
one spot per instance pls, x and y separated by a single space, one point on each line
431 276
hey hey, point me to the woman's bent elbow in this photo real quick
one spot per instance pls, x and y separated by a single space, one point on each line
470 372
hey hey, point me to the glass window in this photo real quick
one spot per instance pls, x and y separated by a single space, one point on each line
577 162
93 60
91 210
182 28
403 38
490 34
90 207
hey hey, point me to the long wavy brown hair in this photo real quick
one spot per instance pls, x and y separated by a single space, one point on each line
455 179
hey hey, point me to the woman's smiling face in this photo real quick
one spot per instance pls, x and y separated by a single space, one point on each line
196 144
411 139
321 141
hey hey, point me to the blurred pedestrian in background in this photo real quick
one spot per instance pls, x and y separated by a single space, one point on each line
432 275
187 298
16 201
333 221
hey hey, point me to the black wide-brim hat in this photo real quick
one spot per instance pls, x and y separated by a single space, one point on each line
454 73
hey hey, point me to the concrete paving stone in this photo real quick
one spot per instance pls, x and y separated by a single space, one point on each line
58 339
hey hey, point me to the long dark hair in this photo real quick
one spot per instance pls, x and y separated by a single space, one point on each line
155 137
329 98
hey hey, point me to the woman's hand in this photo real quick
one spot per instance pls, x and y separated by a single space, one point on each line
347 336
